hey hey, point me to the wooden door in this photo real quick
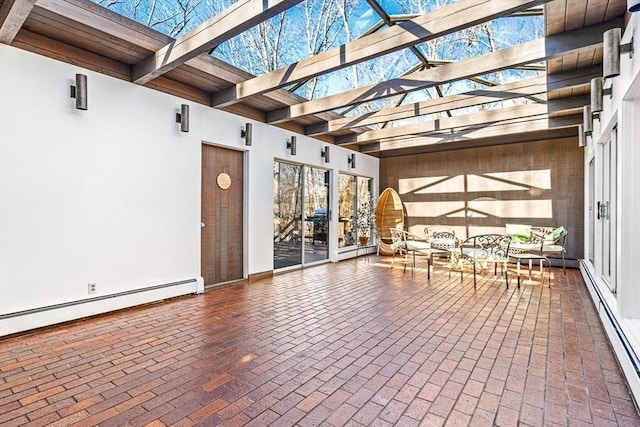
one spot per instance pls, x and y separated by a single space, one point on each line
222 214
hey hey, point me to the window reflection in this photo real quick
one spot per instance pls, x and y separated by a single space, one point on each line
354 194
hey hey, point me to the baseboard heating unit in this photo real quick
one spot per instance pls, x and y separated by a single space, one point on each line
622 347
37 317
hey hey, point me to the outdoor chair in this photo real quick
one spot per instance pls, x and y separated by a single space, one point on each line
407 245
483 250
532 251
442 241
554 242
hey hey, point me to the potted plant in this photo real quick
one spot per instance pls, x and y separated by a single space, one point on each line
364 222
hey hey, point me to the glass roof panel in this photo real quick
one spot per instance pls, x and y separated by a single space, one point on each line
313 27
307 29
171 17
363 74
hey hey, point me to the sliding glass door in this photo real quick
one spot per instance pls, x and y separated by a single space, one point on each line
301 215
316 210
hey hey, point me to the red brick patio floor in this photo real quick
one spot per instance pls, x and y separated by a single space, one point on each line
353 343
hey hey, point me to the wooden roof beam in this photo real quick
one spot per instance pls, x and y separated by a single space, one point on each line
444 20
533 51
232 21
503 92
495 131
474 119
13 13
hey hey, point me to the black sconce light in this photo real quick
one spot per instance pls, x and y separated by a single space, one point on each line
291 146
325 153
597 91
633 5
611 52
183 118
581 136
587 119
351 160
79 91
247 134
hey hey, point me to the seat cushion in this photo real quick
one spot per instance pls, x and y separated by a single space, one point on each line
552 248
416 245
519 232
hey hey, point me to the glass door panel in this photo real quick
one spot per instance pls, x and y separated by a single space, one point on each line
287 215
607 210
365 210
355 209
316 211
347 205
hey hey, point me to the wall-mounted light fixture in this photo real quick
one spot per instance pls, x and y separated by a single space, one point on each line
633 5
587 119
79 91
581 136
597 91
351 160
612 50
183 118
325 154
247 134
291 146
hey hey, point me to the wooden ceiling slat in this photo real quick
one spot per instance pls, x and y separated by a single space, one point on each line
172 87
615 8
71 54
442 21
104 20
67 31
555 11
587 59
232 21
196 77
570 61
13 13
595 11
575 15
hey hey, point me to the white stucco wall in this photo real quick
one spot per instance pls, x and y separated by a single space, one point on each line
111 195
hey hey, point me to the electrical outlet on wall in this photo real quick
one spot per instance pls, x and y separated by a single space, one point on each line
92 287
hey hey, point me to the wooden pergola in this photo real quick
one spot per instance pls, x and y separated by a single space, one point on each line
88 35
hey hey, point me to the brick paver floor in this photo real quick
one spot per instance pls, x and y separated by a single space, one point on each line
354 343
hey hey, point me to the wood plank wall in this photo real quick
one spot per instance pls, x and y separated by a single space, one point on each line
479 190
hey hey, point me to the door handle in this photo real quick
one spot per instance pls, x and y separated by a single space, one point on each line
603 210
201 224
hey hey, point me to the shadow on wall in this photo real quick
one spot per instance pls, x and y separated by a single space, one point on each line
512 207
478 191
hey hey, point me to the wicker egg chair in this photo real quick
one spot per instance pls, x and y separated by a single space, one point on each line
389 214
